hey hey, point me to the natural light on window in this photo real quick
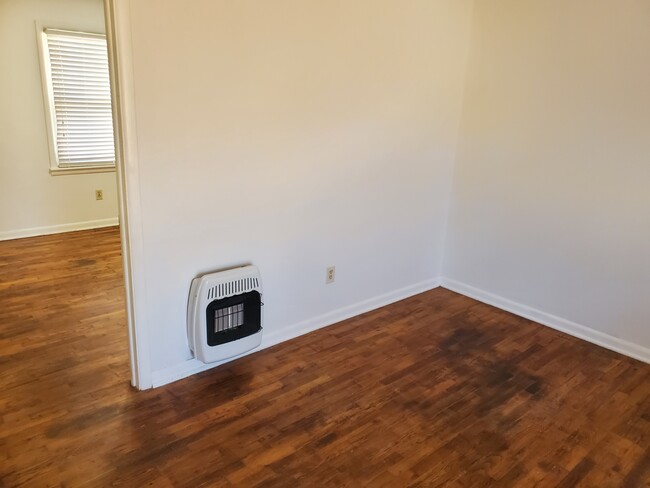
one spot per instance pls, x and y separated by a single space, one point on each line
78 95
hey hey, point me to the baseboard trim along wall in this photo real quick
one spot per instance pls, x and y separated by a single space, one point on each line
193 366
58 229
571 328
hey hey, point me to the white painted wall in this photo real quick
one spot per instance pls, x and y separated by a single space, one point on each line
29 196
551 199
293 135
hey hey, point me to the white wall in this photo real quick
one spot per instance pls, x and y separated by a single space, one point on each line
293 135
551 199
29 196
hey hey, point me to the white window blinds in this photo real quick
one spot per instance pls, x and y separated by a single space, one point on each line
80 95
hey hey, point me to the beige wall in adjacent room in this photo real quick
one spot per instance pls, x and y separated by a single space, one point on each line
30 198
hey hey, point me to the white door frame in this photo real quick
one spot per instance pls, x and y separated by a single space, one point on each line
118 36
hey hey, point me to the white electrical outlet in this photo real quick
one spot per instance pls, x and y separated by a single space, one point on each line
330 274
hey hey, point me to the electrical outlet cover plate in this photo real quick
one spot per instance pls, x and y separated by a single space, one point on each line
331 274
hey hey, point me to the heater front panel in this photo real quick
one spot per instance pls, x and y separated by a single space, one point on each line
232 318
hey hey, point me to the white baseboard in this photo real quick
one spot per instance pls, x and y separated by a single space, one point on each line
193 366
582 332
58 229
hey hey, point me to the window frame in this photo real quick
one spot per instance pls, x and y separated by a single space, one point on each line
50 113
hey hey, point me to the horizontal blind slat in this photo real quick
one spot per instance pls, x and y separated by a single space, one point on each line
82 154
71 163
80 146
86 158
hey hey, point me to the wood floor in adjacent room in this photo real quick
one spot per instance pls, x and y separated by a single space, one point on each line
436 390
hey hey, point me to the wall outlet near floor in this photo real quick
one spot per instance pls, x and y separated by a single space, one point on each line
99 194
329 278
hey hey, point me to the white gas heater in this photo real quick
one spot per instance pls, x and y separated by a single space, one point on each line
224 314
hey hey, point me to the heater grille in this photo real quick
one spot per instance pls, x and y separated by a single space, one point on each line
234 287
228 317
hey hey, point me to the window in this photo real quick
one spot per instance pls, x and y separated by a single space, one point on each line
78 101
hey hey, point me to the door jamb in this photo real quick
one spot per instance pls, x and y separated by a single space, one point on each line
118 36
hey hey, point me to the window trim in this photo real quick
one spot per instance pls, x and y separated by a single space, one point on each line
57 169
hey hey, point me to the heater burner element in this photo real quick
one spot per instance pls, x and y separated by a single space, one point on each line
228 318
232 318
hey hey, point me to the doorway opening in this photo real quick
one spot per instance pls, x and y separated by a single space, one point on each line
64 254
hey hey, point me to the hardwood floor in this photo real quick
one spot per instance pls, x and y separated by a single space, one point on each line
436 390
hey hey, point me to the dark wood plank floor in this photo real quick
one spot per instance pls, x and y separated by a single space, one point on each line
436 390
